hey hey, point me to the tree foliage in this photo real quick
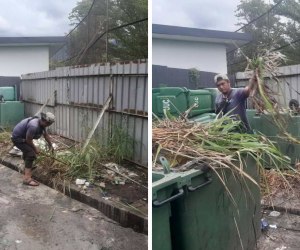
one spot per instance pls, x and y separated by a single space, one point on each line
127 43
274 30
194 77
130 42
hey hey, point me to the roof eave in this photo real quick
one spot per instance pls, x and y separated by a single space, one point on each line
201 35
229 44
32 40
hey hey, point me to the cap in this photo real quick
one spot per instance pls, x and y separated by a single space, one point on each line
221 77
48 117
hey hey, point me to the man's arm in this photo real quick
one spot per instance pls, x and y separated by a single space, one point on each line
48 139
29 141
251 87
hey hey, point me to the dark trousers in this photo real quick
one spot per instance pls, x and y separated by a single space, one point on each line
28 152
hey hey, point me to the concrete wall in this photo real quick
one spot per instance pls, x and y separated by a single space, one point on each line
173 77
210 57
18 60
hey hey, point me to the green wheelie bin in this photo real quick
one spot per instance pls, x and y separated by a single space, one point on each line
262 123
208 218
165 189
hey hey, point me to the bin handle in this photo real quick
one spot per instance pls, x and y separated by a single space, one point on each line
208 181
172 198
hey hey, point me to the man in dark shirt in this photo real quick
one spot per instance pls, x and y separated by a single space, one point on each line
22 137
232 99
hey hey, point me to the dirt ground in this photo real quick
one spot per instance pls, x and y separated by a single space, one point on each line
286 201
130 193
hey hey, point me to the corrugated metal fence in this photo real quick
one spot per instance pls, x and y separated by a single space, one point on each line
289 77
81 94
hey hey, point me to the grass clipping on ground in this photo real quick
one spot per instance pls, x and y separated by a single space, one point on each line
278 185
73 163
5 136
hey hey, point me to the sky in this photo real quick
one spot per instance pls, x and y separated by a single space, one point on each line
203 14
35 17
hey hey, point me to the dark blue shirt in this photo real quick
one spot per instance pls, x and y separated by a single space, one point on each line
237 99
28 127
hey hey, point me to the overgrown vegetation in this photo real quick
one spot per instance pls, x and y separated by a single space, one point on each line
120 145
72 163
5 136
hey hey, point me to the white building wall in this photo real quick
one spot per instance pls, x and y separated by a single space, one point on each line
18 60
209 57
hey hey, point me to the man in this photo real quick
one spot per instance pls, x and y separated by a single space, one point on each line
22 137
232 99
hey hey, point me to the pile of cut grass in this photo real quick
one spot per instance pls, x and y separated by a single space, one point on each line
217 144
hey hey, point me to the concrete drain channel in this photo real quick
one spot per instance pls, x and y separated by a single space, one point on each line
123 216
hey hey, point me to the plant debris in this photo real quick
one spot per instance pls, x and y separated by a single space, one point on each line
263 95
5 136
68 164
277 184
216 142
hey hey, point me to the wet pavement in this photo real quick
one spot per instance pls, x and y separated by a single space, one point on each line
42 218
286 235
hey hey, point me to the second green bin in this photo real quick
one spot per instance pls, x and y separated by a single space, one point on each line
205 217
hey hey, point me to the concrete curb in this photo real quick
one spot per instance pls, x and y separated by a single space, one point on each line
284 207
112 210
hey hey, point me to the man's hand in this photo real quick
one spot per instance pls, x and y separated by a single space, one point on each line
37 151
47 138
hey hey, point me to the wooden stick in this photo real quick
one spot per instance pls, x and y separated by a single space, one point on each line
96 124
52 213
58 141
40 110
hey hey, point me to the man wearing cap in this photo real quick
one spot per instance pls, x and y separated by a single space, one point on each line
232 99
22 137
